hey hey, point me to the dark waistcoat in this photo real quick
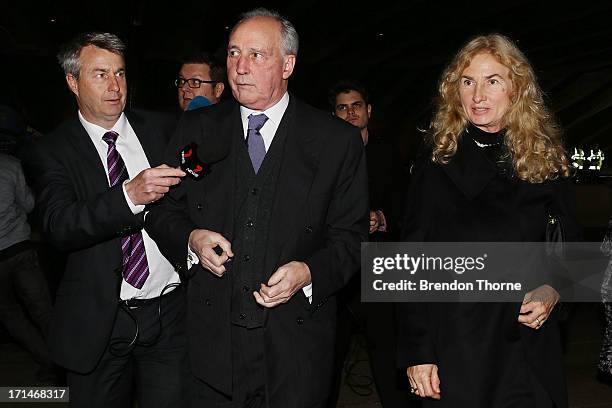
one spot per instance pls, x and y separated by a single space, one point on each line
255 193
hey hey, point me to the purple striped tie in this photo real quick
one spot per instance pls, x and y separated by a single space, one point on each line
135 265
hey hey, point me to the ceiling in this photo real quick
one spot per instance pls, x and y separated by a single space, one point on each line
397 48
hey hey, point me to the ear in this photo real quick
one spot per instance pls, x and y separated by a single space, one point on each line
288 65
73 84
219 87
369 110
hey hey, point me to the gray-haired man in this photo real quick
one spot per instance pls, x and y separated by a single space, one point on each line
289 204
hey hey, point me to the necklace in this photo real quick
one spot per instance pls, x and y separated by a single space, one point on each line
484 144
482 138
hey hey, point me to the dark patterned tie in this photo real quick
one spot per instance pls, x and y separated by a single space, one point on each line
255 142
135 265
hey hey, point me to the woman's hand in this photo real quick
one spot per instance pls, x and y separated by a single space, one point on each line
537 306
424 380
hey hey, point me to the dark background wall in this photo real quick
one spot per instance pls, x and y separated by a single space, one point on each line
398 48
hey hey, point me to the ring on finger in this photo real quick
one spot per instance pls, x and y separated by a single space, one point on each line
538 322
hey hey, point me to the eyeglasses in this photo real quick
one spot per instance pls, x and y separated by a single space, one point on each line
192 82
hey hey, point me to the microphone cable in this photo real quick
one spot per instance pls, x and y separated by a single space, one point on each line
122 346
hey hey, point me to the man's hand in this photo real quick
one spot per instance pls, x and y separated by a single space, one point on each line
151 184
202 242
537 306
424 380
374 222
283 284
377 221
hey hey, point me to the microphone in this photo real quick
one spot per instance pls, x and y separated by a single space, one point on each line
198 102
199 165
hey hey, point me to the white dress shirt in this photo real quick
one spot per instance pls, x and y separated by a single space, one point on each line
161 272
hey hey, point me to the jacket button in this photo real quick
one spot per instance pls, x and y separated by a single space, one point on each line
242 316
250 224
255 191
207 302
308 229
199 206
245 288
246 258
299 321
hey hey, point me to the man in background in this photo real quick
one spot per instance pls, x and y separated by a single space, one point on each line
350 101
22 283
200 76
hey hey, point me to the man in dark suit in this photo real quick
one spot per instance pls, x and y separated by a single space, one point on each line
387 181
286 203
112 325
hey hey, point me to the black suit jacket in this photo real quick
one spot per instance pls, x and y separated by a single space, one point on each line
84 217
483 354
319 216
388 183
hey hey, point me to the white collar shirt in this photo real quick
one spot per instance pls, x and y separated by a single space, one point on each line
275 115
161 272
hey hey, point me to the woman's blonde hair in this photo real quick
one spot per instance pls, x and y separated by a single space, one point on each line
532 136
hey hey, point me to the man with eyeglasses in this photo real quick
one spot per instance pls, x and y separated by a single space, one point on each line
350 102
200 75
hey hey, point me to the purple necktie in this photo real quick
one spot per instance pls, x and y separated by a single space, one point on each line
255 142
135 265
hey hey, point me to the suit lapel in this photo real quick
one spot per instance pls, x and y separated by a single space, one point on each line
90 160
298 167
224 177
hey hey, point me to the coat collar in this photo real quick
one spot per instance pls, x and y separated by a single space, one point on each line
89 155
469 168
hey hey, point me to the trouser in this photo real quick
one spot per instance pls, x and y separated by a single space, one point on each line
21 279
154 374
248 375
605 355
377 322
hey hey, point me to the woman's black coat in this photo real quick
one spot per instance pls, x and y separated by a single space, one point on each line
484 356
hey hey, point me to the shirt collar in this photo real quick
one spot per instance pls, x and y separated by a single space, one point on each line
96 132
274 113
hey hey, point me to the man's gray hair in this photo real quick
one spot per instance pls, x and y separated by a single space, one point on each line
290 41
69 54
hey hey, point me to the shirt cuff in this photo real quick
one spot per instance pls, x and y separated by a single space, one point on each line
136 209
308 292
192 258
